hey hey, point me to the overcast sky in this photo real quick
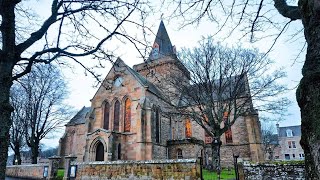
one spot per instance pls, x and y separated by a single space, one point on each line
285 51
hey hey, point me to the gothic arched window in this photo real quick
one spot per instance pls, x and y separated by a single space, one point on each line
106 116
188 128
127 115
116 116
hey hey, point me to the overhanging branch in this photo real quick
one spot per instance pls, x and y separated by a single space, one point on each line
291 12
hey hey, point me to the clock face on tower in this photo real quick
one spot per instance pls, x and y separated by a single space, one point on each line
118 81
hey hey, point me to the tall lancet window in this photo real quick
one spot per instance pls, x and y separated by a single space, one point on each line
228 133
127 115
106 116
157 123
116 116
188 129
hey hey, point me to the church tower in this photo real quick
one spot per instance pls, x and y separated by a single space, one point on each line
163 67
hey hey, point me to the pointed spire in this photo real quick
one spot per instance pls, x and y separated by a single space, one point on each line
162 45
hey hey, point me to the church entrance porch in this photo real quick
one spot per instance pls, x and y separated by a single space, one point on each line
100 152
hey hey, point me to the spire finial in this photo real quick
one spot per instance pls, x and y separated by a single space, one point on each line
161 17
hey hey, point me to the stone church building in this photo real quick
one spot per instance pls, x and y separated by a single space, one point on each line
126 119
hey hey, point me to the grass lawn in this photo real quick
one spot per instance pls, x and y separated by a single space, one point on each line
225 174
60 174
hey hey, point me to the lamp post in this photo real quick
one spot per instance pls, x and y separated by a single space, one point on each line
235 162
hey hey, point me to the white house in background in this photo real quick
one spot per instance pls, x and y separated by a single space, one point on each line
289 143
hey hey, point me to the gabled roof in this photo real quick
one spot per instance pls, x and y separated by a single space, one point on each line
151 87
296 130
141 79
80 117
162 43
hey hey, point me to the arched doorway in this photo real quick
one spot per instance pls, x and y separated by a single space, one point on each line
100 152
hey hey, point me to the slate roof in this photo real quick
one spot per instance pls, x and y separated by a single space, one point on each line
80 117
296 130
163 40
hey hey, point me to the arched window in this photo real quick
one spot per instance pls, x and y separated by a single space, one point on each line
179 154
116 116
188 131
127 116
119 151
106 116
100 152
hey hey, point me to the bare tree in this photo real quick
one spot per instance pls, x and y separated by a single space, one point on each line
72 29
269 140
17 139
43 91
224 84
260 19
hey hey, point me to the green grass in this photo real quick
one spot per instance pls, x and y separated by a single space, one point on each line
225 174
60 174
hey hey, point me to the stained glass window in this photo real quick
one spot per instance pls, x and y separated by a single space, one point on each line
106 116
228 133
127 116
188 128
116 116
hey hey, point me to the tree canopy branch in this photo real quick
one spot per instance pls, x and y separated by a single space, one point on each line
291 12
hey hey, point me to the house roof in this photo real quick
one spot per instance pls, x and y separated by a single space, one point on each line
296 130
162 43
80 117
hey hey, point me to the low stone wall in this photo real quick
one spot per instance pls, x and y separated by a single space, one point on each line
271 171
153 169
32 171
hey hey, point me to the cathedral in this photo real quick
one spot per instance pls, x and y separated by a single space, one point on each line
126 120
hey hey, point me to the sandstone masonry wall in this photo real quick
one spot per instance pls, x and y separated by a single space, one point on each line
34 171
151 169
271 171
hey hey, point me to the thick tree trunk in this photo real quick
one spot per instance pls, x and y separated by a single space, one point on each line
17 155
5 112
308 92
215 146
34 152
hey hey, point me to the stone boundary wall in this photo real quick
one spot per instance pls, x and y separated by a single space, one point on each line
271 171
151 169
32 171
